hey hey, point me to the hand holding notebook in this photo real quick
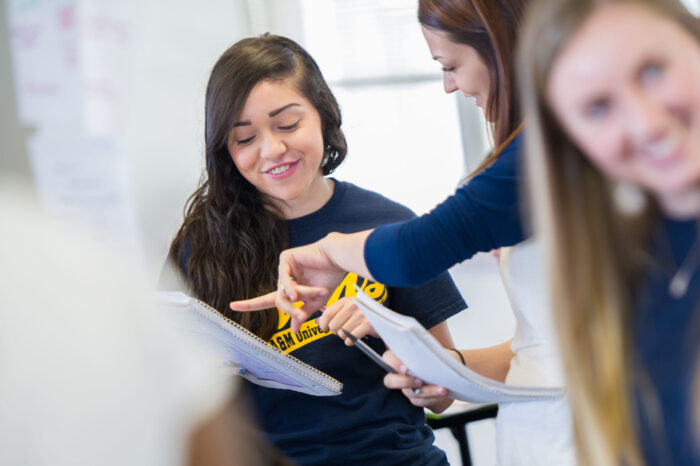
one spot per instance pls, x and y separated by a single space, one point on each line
428 360
225 340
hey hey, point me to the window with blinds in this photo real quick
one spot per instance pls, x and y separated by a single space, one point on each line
404 133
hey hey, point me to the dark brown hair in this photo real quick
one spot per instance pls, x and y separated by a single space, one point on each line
230 241
491 28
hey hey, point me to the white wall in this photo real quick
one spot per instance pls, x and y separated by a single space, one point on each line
693 6
113 94
177 47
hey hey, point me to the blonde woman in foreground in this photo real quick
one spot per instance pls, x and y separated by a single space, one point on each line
612 99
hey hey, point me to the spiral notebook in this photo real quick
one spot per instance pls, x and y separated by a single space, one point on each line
428 360
228 342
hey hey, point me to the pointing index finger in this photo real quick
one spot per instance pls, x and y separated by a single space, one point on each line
255 304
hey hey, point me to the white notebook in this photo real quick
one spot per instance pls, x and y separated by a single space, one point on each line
224 340
428 360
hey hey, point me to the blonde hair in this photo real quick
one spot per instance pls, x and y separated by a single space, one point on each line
596 256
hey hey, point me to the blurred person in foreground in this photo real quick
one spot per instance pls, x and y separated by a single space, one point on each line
88 373
611 95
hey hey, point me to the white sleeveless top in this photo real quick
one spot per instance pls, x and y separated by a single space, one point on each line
532 432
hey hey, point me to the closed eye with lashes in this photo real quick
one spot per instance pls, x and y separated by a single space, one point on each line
289 127
242 142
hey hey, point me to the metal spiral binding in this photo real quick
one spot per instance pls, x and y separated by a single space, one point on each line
325 380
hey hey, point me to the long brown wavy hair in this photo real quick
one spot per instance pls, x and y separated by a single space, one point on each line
490 27
596 255
230 240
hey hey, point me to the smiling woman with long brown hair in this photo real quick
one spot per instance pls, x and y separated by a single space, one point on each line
273 134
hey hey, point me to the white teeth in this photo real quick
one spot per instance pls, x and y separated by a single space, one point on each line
663 149
280 169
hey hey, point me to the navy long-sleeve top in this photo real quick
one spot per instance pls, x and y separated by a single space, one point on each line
666 339
482 215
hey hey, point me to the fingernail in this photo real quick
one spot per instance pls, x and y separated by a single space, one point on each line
403 369
417 383
443 391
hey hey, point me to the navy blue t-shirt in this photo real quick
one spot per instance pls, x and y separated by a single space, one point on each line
667 339
367 423
482 215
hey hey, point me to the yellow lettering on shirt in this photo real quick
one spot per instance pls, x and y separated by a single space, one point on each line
287 341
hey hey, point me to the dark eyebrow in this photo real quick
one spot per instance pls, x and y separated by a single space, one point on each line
271 114
282 109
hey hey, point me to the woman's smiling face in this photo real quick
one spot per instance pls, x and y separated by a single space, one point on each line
626 89
462 66
277 145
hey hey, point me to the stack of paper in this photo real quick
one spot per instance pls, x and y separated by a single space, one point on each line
428 360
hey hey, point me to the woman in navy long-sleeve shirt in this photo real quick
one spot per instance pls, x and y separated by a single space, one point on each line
482 215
